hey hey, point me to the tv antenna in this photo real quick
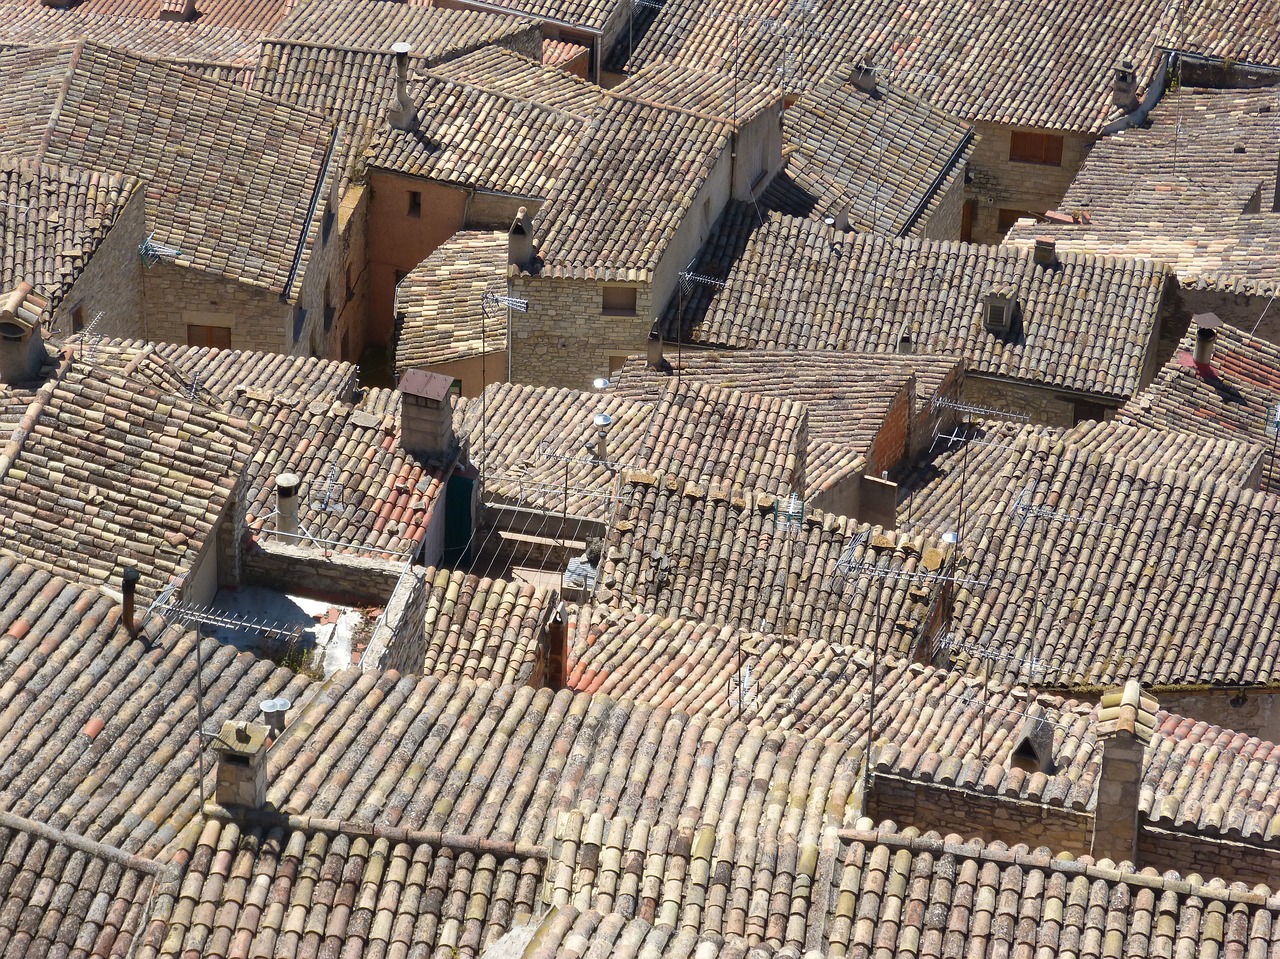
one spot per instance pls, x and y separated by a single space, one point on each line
328 492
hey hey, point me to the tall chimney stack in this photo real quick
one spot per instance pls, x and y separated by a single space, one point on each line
520 240
1126 722
129 590
1124 86
403 112
655 350
426 415
242 765
1206 327
287 486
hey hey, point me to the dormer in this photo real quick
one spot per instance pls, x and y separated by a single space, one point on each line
997 309
1033 749
22 353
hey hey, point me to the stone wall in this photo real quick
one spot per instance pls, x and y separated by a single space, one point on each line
945 221
999 183
175 296
343 261
346 577
399 637
495 211
892 440
1043 404
565 339
1239 309
1256 712
1187 854
111 282
972 815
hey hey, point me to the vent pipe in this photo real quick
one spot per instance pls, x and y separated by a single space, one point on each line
129 590
287 485
403 113
1206 325
602 422
274 714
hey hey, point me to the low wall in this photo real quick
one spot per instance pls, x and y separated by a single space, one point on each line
399 638
349 578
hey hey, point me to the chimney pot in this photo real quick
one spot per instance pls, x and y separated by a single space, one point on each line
128 589
655 350
520 240
1207 325
287 486
403 112
1046 251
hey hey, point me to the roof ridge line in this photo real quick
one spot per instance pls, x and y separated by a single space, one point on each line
56 112
9 455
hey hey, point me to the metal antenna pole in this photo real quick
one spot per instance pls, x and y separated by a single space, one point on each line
200 711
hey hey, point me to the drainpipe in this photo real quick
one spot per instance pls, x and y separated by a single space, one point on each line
1154 93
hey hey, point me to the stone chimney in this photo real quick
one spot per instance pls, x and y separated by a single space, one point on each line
654 359
520 241
129 592
242 764
22 352
1206 326
1126 722
1045 252
1124 86
403 112
426 415
555 650
287 486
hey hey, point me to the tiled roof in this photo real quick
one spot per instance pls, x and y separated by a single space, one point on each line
886 158
556 53
726 556
99 730
250 17
52 220
251 226
1086 324
1233 402
485 629
692 89
105 470
359 486
61 895
26 24
433 33
1034 66
1098 570
1180 188
440 303
630 183
507 72
964 464
591 15
529 438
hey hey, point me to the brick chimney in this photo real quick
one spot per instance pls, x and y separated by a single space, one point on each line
403 112
1126 722
1124 86
520 241
242 765
426 415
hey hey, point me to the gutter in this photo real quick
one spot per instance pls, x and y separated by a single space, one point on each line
937 182
311 214
1154 93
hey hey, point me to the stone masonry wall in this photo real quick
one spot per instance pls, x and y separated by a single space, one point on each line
175 296
1187 854
111 282
1042 404
945 221
564 339
345 577
399 638
1000 183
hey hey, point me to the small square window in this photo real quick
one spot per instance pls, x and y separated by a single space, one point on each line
415 204
618 301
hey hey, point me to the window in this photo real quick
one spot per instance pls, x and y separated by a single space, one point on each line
967 215
1027 147
415 204
216 337
618 301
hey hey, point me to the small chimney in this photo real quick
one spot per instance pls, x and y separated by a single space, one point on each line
655 350
22 352
129 590
1124 86
602 423
863 74
1206 326
403 112
287 486
842 220
1126 722
242 764
520 240
906 343
426 415
1046 251
274 714
555 650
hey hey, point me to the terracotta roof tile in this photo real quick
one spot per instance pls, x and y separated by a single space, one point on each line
786 287
505 71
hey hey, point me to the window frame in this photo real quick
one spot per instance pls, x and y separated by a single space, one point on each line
624 310
1037 148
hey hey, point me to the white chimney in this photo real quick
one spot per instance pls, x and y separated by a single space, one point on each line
426 415
242 765
1124 86
287 485
403 112
520 240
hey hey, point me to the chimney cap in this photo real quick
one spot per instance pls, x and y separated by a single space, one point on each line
430 386
603 421
1127 709
130 576
401 48
241 738
1207 321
